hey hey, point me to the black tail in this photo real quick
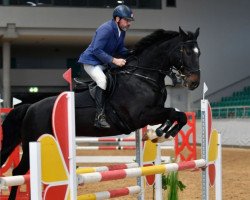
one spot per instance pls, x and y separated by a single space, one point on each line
12 131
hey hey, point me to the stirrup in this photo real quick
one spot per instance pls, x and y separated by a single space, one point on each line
100 121
79 80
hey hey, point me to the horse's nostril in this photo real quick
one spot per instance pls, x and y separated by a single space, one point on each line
195 84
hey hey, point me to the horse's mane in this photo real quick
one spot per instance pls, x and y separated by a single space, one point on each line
157 36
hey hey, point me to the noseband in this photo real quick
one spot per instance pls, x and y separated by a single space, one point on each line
179 68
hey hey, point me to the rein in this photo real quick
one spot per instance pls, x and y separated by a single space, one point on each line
155 82
164 72
161 89
141 76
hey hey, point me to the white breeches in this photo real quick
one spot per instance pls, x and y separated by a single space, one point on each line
97 74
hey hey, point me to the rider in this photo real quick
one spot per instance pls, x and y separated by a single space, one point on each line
107 42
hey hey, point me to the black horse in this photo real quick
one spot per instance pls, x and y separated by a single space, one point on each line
137 98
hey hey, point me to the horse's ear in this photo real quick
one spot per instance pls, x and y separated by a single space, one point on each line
183 34
197 32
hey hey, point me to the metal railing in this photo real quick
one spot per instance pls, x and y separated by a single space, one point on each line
229 112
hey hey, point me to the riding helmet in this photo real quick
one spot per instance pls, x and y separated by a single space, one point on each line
123 11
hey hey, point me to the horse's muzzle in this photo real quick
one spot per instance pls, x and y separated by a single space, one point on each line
192 81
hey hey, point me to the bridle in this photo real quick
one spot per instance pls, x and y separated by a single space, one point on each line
181 66
174 72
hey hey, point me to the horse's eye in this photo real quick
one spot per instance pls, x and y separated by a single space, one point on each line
188 52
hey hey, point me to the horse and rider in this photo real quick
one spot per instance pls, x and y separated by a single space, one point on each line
135 83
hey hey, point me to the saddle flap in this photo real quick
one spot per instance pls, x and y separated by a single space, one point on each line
92 89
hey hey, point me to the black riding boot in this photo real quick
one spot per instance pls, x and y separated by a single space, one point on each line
100 118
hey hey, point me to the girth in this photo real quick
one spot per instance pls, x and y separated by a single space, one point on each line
117 121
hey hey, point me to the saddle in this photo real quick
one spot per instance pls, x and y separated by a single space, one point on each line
85 82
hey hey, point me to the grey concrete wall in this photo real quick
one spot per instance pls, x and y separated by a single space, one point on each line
234 132
224 36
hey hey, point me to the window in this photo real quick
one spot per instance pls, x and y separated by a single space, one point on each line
75 66
18 2
79 2
97 3
171 3
131 3
150 4
12 62
61 2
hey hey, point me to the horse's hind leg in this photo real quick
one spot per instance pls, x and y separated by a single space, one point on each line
21 169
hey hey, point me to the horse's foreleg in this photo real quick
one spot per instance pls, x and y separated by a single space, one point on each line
21 169
167 117
13 193
163 128
181 119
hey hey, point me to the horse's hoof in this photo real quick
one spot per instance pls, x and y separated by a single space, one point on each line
156 140
169 138
163 139
145 137
149 135
159 140
159 132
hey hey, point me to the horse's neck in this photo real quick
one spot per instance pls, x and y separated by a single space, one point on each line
130 81
133 96
158 57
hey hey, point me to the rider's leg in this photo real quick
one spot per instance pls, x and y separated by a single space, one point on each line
100 119
96 73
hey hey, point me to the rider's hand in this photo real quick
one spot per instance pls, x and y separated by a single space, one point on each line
119 61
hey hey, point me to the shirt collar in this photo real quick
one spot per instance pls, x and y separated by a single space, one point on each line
119 31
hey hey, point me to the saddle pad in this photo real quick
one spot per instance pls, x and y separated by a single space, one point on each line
83 100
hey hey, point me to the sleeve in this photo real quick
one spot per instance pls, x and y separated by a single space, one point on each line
121 50
124 52
101 39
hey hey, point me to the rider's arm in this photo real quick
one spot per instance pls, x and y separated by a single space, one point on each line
123 52
121 49
100 42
